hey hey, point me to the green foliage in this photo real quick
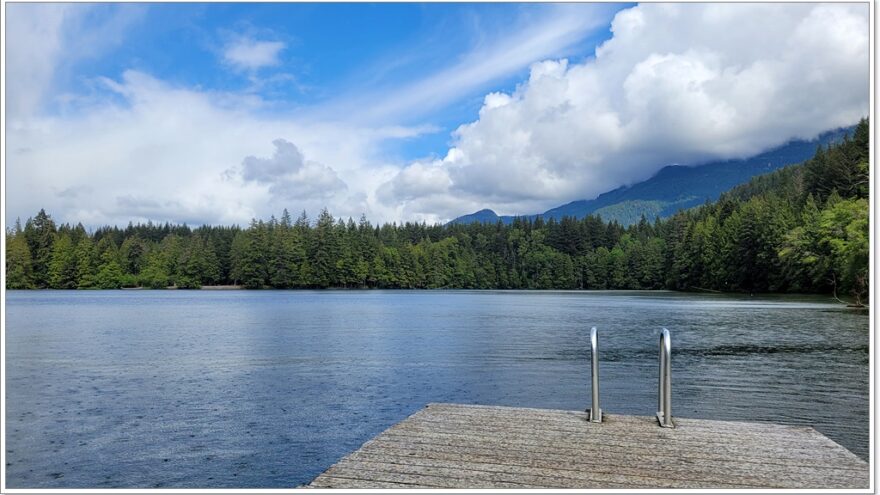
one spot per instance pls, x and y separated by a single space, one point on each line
132 254
19 268
324 252
86 263
155 275
198 264
249 253
842 168
62 267
629 212
109 274
40 235
806 258
287 253
844 228
803 228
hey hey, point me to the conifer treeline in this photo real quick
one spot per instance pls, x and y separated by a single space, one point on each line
803 228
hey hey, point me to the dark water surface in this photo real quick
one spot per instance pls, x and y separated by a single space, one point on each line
267 389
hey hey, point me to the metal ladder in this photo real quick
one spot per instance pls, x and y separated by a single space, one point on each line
595 411
664 384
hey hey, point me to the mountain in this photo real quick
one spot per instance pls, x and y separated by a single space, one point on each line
676 187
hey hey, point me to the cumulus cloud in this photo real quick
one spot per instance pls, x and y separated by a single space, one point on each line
677 83
286 160
289 175
422 187
143 159
137 148
250 54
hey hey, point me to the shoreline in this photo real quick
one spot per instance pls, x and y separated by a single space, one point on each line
842 304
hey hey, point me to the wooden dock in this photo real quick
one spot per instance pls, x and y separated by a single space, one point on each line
465 446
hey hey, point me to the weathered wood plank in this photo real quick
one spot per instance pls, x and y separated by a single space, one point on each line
718 472
574 418
613 451
471 466
636 431
663 447
470 446
569 421
523 415
522 477
415 476
334 482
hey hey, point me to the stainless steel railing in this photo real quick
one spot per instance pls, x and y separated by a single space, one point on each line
664 384
595 410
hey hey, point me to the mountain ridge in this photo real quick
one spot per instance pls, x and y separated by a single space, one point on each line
675 187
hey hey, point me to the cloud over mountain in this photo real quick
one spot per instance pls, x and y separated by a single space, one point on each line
97 133
677 83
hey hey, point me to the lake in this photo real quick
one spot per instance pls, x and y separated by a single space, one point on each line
269 388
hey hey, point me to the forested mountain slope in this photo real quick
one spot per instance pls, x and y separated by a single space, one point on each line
677 187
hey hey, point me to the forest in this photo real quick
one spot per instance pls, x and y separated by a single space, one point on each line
803 228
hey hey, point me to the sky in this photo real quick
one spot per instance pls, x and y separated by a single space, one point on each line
220 113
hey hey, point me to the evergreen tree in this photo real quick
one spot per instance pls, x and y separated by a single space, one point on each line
132 255
250 251
324 252
154 274
19 269
40 235
86 264
109 274
62 268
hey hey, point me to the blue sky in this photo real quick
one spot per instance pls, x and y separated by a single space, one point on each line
217 113
328 50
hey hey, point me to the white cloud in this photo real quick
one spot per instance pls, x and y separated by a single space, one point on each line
553 30
161 152
677 83
287 160
31 61
145 159
289 175
249 54
51 38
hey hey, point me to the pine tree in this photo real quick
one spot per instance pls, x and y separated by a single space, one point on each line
40 234
19 269
62 267
286 254
86 264
324 252
250 256
132 255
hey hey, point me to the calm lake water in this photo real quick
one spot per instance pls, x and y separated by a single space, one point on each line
267 389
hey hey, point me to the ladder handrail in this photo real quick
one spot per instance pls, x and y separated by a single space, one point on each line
595 410
664 384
